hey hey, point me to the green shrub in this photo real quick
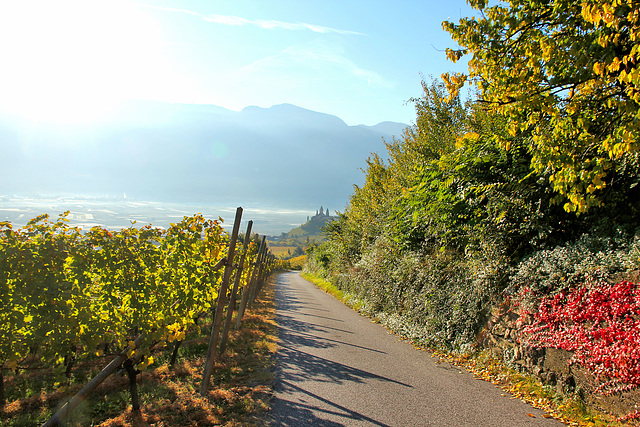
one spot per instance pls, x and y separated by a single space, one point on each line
433 298
591 258
297 263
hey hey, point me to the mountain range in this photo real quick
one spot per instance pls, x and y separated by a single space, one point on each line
283 155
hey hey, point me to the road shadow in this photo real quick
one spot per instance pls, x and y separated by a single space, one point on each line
302 366
292 330
295 367
288 300
304 414
291 334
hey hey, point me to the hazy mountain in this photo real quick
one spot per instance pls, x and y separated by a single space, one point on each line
388 128
283 155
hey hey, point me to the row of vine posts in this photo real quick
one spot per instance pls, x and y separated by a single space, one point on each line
226 303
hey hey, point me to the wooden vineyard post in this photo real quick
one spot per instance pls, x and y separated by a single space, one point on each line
234 291
266 263
246 292
222 296
254 283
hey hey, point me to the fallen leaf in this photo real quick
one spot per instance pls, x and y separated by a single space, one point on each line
531 415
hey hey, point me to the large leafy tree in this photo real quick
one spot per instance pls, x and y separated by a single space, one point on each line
481 197
566 75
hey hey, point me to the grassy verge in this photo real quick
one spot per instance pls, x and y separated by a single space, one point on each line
486 367
325 285
240 389
328 287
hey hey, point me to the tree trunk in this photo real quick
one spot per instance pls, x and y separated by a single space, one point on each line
81 396
2 398
69 361
133 386
174 355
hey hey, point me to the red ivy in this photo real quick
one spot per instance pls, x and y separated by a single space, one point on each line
600 325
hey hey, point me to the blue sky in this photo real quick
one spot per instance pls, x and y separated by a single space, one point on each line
72 60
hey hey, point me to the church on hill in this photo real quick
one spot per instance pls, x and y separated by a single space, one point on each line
320 214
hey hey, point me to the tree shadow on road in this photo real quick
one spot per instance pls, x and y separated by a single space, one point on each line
295 366
291 332
302 366
304 414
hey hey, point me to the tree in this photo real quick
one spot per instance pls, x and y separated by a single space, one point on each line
565 74
480 197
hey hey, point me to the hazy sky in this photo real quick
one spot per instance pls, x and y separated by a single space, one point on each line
70 60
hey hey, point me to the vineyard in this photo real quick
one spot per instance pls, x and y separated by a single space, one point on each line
70 296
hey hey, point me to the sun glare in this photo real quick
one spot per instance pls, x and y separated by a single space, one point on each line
73 61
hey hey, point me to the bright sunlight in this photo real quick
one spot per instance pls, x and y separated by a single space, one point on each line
72 61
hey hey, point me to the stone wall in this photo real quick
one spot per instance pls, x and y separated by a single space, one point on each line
552 366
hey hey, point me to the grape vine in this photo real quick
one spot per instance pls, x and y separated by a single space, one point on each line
66 294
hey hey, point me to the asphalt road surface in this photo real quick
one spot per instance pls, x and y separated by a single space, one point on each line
337 368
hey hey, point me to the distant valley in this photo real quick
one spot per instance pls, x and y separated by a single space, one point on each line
284 156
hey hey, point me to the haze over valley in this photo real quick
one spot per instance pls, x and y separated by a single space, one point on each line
155 162
204 106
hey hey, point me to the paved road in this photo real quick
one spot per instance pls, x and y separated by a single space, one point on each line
337 368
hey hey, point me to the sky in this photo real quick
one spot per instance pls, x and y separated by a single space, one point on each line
75 60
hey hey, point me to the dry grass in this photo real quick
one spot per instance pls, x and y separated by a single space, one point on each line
239 394
569 410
